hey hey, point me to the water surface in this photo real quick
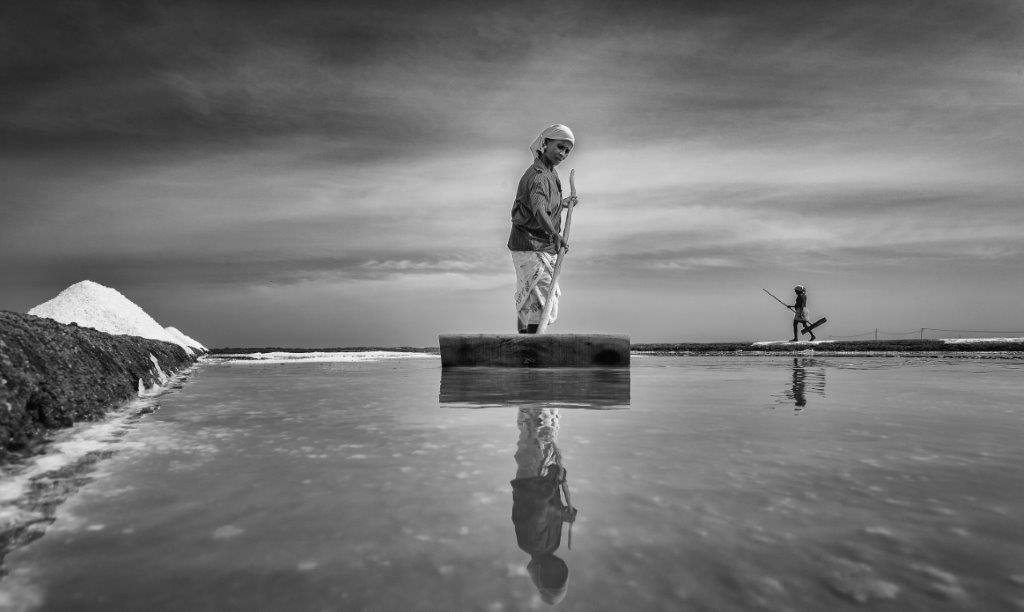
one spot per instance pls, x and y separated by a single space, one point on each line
700 483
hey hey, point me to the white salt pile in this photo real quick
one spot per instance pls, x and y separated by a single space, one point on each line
183 339
90 304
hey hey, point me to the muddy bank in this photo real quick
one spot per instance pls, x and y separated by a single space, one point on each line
52 375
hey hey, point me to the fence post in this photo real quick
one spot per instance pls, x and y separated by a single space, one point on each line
922 334
876 333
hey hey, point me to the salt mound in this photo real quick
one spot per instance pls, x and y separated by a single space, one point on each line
183 339
90 304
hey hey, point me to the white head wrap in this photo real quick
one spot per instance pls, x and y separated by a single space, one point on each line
555 132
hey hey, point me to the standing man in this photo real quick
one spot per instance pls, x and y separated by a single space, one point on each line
536 235
800 312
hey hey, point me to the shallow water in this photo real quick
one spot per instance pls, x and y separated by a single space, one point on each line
701 483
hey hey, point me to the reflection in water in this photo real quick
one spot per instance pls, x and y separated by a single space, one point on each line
595 388
538 508
540 489
805 379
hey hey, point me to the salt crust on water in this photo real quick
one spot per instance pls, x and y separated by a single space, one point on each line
69 446
799 342
944 340
90 304
322 357
974 340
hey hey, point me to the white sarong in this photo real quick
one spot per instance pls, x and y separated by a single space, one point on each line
533 283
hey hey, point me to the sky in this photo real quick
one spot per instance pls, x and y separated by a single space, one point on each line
341 174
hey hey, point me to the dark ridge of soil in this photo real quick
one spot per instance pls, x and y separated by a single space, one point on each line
53 375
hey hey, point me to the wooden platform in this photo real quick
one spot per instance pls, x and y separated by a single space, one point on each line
534 350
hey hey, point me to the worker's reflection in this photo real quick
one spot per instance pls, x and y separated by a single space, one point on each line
799 375
538 509
804 380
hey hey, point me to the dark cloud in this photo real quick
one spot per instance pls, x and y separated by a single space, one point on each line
243 144
384 73
201 71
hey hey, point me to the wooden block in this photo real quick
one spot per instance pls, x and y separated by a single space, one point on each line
534 350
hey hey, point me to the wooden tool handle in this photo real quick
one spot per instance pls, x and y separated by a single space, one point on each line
549 302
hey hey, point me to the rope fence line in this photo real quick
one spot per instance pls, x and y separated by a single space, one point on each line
920 332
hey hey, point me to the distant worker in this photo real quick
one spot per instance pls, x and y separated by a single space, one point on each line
800 313
536 235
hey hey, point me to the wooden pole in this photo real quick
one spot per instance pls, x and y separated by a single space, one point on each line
550 302
776 299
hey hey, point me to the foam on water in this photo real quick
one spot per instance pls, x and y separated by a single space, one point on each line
68 448
798 342
25 504
323 357
976 340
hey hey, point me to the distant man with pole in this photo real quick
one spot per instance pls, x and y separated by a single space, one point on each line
536 237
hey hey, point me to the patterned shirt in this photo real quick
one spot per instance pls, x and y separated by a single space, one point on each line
539 190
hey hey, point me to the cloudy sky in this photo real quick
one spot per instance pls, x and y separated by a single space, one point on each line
329 174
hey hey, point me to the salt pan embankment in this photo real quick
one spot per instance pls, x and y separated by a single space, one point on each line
78 355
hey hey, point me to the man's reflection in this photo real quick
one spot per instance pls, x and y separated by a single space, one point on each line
538 510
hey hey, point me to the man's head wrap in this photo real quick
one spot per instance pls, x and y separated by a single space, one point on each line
555 132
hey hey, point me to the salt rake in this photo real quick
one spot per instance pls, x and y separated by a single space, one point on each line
549 303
